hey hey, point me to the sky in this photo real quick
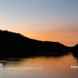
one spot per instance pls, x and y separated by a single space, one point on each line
40 17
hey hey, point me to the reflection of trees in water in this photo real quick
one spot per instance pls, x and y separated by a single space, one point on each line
51 68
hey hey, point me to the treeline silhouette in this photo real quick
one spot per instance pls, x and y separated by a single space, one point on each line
14 47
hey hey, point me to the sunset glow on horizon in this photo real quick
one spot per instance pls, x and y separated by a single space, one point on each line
51 20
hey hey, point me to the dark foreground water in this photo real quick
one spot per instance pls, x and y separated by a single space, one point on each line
65 67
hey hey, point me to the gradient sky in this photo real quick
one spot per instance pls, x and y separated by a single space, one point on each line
40 16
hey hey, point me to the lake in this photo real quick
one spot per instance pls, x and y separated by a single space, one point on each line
64 67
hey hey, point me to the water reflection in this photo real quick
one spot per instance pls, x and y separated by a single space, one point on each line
41 68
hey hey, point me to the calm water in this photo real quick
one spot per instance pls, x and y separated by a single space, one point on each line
41 68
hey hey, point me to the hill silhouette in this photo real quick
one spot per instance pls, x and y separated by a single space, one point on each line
14 47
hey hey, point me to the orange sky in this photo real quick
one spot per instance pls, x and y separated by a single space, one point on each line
68 38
